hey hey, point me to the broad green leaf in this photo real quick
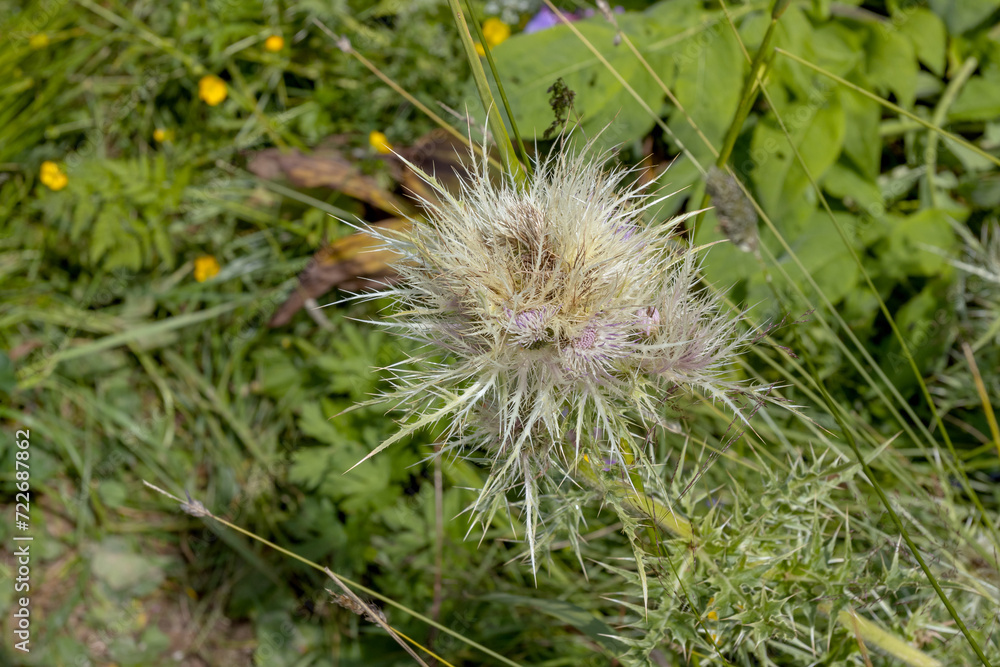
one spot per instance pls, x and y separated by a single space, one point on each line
824 256
963 15
600 98
892 65
906 254
794 33
835 48
927 34
862 143
817 128
724 265
979 99
709 80
857 193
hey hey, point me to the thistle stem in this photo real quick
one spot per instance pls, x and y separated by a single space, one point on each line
637 500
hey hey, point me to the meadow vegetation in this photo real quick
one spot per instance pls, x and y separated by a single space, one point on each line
169 170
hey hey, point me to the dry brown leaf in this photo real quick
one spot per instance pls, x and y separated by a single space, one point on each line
325 168
351 263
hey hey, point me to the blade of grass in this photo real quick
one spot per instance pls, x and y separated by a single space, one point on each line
195 508
33 374
503 95
939 117
955 459
751 87
991 418
513 168
873 480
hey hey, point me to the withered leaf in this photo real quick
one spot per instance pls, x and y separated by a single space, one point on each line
326 168
351 263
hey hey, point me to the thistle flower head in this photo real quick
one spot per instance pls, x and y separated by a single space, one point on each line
564 321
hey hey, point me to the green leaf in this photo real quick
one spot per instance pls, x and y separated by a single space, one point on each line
963 15
822 253
979 99
927 34
862 143
365 488
892 65
817 128
857 192
600 98
104 233
277 374
316 425
709 81
906 254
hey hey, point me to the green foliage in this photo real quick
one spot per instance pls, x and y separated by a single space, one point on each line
125 368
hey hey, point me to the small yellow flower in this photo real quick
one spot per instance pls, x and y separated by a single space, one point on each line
160 135
712 615
495 31
212 90
379 142
39 41
480 50
205 267
274 43
52 175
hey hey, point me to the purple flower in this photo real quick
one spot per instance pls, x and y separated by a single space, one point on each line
545 18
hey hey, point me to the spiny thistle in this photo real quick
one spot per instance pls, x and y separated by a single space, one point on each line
565 323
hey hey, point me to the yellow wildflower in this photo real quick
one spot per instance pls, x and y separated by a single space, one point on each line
379 142
480 50
274 43
712 615
205 267
52 175
39 41
495 31
160 135
212 90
